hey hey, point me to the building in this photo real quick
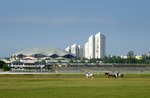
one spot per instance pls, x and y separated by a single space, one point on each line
148 54
81 52
91 46
100 48
86 50
39 57
96 46
75 49
68 49
40 53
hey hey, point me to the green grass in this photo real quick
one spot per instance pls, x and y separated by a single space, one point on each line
73 86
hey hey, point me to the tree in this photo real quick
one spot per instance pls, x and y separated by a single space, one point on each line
4 66
131 60
71 61
92 60
131 54
2 63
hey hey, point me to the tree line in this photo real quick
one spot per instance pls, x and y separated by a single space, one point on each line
129 60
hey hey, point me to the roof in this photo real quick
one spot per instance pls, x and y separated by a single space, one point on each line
44 51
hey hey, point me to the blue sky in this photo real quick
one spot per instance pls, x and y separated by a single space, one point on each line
59 23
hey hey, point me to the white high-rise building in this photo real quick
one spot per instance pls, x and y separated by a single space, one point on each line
68 49
81 54
91 43
100 48
96 46
86 50
75 49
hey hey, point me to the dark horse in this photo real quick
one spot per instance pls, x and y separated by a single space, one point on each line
110 75
114 75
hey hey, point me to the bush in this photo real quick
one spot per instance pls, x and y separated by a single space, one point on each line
2 63
6 68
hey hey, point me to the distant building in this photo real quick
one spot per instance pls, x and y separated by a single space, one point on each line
138 57
124 56
86 50
68 49
75 49
39 58
41 53
100 45
81 52
96 46
148 54
91 50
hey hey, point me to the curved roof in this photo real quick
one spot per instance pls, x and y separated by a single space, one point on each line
43 51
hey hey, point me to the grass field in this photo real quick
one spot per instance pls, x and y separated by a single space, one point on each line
73 86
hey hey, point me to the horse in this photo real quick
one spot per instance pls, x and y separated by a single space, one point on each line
120 75
89 74
106 73
111 75
114 75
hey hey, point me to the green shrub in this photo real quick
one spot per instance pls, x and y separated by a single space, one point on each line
2 63
6 67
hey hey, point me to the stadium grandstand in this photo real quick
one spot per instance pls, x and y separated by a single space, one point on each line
39 58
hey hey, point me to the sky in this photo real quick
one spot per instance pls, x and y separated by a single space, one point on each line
61 23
